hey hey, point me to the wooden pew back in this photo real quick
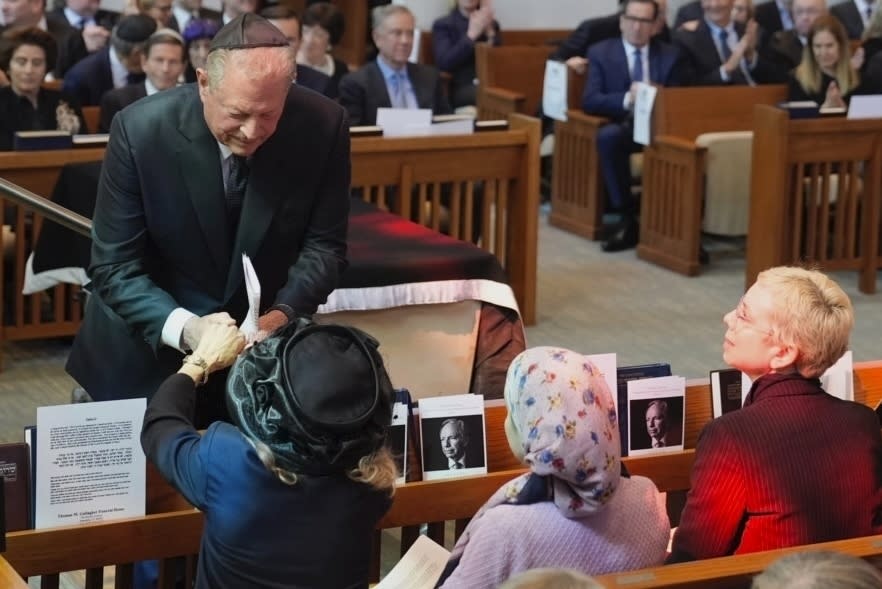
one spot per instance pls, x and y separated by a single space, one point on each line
816 189
674 167
688 112
509 79
174 529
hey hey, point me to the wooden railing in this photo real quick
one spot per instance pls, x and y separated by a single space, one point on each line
815 194
509 79
172 529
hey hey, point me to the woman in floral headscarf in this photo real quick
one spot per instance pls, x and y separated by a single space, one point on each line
26 54
574 509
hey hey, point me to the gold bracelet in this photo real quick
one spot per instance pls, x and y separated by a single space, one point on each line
201 363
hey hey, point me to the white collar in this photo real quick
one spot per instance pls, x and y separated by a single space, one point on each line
149 87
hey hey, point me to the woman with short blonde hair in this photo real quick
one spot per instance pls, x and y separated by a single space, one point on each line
818 569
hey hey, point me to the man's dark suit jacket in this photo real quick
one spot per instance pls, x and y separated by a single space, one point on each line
454 53
794 466
609 79
850 17
160 238
89 79
700 62
768 17
69 41
591 31
783 53
316 81
363 91
588 32
117 99
687 12
103 18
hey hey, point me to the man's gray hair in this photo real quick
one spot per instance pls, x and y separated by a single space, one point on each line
125 48
217 60
381 13
458 424
662 406
818 569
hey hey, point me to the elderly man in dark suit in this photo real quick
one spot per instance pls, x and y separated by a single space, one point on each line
794 465
391 81
720 51
242 162
163 63
854 15
616 67
112 67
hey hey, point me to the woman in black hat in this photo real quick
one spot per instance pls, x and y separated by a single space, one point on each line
293 492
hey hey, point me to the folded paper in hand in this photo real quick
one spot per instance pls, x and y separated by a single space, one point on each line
252 286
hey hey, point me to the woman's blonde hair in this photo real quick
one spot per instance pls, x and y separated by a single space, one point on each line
819 569
377 470
808 72
812 313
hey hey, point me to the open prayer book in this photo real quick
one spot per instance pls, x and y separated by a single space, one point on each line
419 568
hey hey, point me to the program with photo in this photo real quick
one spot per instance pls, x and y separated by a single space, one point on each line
452 432
657 414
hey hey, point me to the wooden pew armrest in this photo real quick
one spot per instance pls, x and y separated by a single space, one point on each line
504 94
675 143
580 117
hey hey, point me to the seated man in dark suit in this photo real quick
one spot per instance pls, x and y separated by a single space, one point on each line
288 21
617 66
391 81
113 67
784 49
93 22
453 44
163 63
854 15
574 48
32 13
720 51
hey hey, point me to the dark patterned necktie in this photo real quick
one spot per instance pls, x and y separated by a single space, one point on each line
637 71
725 51
237 182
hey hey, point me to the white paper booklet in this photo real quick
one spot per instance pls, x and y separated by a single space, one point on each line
398 440
554 90
90 466
656 410
452 434
249 326
643 105
419 568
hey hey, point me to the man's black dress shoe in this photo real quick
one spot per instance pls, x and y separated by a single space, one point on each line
625 238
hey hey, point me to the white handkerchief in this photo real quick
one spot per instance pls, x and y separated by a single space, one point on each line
252 286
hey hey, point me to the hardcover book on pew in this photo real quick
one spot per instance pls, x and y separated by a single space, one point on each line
628 373
3 519
15 476
40 140
398 430
30 438
725 391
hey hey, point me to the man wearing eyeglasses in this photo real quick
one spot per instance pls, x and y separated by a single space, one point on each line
719 51
617 67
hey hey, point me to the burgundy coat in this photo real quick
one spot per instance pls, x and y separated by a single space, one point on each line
794 466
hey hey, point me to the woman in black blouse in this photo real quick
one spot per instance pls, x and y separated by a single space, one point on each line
26 54
825 74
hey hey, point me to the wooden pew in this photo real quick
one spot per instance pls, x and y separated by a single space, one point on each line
509 79
815 194
673 166
172 529
733 572
505 163
92 116
9 578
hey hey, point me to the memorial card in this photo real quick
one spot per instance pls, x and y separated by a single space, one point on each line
656 407
452 434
